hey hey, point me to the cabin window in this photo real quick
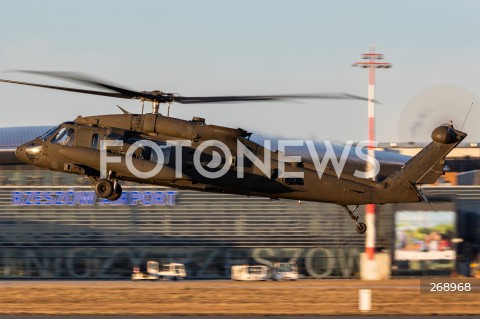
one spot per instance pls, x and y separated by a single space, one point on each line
94 143
166 154
65 136
293 181
147 153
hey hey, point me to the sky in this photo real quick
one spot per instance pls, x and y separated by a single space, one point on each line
215 47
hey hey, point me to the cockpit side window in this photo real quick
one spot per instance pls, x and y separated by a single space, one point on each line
65 136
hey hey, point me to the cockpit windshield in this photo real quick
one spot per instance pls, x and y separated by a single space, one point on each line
45 136
64 136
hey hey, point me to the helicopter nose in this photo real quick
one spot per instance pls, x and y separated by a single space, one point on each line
21 154
29 152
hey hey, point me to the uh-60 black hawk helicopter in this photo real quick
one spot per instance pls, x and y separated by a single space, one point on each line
190 152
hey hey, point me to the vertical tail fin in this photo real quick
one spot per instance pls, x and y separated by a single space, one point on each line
424 168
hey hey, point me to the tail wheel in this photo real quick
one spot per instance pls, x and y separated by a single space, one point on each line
104 188
117 192
361 228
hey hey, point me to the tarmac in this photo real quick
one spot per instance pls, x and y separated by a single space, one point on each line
227 299
226 317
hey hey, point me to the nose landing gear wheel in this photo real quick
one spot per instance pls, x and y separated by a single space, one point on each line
104 188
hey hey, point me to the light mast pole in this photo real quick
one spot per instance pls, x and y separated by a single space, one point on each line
371 64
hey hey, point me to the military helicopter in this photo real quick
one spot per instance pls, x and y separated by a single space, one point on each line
130 147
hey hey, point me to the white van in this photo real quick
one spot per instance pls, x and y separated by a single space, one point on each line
169 271
249 273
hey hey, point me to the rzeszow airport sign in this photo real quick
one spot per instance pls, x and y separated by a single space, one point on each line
86 198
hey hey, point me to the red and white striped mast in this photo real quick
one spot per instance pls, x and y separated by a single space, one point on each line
371 64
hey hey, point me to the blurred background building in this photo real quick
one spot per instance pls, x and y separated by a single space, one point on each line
53 226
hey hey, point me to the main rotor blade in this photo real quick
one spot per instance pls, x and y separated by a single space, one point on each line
168 97
110 94
251 98
83 79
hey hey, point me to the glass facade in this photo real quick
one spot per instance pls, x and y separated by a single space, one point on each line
53 226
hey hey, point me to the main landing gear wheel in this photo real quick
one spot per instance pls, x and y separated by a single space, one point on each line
117 192
360 227
104 188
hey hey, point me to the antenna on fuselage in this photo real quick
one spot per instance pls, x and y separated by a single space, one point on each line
466 116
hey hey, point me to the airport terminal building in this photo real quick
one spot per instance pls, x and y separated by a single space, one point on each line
53 226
